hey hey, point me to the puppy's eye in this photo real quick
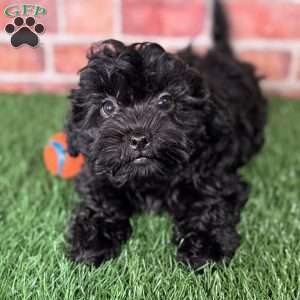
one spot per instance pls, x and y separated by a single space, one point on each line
165 102
108 108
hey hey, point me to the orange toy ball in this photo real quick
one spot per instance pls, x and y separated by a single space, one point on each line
58 161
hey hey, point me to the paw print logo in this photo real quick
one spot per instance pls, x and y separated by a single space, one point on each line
24 32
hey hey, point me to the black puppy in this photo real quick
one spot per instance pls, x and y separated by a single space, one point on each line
163 132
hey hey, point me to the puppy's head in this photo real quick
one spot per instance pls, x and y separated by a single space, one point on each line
138 112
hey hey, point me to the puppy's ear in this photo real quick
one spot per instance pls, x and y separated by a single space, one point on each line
72 147
215 114
218 123
72 125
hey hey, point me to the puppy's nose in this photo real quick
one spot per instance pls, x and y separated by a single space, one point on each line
138 142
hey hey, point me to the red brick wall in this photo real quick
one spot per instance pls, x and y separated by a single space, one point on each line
266 33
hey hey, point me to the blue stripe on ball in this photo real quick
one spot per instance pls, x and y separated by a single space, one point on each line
61 155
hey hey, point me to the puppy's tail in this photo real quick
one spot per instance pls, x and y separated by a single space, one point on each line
221 30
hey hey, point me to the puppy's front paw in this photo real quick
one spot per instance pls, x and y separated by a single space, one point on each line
91 257
194 252
94 237
96 249
198 249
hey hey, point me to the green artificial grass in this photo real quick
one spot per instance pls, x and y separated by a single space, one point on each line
35 208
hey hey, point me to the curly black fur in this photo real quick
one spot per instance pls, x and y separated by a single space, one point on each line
181 127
